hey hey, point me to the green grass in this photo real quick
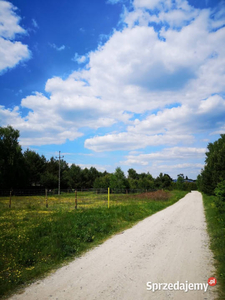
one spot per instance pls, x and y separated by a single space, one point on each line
216 228
34 239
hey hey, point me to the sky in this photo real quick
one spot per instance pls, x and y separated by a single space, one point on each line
115 83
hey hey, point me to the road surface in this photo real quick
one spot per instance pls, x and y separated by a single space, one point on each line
171 247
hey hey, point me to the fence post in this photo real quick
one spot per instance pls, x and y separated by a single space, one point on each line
10 199
108 196
46 197
75 199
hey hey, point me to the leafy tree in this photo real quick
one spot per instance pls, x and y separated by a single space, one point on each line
49 180
163 181
220 193
35 166
133 183
118 180
102 182
132 174
75 175
180 182
145 183
85 178
12 164
214 170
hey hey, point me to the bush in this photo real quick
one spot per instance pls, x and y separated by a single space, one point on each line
220 193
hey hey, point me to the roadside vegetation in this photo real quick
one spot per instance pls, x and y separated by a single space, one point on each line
211 182
35 240
216 229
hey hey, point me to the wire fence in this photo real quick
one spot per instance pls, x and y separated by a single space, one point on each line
68 199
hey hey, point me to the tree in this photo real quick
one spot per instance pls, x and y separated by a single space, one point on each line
220 193
102 182
118 180
12 164
75 174
180 182
163 181
214 170
35 166
132 174
49 178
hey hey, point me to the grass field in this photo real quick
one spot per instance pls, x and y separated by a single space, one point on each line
216 228
35 239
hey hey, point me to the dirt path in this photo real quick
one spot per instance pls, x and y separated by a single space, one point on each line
168 247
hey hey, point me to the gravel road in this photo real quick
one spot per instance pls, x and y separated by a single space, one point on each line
171 246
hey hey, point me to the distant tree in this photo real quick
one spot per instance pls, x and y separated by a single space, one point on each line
75 175
49 180
93 174
118 180
214 170
163 181
180 182
85 178
133 183
132 174
12 163
102 182
145 183
180 175
35 166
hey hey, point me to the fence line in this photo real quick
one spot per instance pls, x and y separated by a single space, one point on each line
49 198
42 191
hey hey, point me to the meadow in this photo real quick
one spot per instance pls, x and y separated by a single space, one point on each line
37 236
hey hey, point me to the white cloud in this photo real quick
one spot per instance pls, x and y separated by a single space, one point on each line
188 160
11 52
149 4
172 79
167 154
80 59
114 1
9 21
56 47
34 23
167 127
132 141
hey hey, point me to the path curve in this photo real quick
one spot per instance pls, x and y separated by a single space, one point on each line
167 247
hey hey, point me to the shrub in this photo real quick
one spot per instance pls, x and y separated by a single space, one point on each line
220 193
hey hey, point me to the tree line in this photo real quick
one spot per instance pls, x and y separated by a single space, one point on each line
212 178
26 169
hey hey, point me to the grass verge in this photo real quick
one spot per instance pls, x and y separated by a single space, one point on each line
216 229
34 241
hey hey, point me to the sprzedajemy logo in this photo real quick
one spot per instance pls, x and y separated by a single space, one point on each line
181 286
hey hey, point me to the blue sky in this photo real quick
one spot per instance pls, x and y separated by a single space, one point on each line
137 84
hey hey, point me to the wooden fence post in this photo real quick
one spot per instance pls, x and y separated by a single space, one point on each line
46 197
75 199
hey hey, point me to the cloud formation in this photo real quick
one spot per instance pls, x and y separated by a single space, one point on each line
11 52
56 47
160 78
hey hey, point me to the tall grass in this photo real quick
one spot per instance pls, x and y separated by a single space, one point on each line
216 228
35 239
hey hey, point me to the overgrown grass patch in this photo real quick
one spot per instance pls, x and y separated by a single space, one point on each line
35 240
216 228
